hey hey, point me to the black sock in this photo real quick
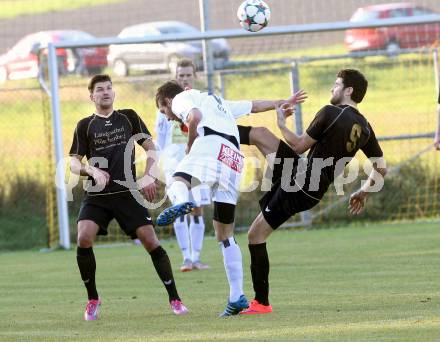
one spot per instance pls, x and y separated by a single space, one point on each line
260 272
162 265
87 268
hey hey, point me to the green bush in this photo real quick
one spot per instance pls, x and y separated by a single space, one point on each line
23 214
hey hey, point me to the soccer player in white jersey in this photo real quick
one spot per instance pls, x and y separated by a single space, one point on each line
171 142
213 159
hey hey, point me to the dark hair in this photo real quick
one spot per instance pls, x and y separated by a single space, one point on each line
184 63
167 90
355 79
96 79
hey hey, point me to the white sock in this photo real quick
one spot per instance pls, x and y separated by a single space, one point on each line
197 232
234 267
178 192
182 236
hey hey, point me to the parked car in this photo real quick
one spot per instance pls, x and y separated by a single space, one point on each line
393 37
161 56
21 61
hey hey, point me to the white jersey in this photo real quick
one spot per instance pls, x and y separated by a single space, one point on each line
217 114
168 132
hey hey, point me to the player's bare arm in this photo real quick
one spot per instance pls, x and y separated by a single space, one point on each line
194 117
147 184
299 143
357 199
101 177
259 106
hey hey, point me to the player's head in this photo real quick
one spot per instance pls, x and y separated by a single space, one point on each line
101 91
350 85
186 73
164 97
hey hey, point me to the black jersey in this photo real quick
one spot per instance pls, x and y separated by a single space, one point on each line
107 138
340 132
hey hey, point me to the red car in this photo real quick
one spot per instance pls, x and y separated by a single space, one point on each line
21 61
393 37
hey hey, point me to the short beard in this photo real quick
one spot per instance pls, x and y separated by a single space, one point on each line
335 101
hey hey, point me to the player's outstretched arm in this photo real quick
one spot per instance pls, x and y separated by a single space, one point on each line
357 199
299 143
259 106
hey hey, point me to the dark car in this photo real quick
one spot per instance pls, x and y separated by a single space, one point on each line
21 61
161 56
393 37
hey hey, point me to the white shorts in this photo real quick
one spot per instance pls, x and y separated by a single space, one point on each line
217 164
170 158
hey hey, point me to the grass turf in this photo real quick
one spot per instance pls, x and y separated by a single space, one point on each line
376 282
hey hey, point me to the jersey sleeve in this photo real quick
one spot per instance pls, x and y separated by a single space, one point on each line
319 124
80 144
183 103
438 100
239 108
372 148
138 125
161 129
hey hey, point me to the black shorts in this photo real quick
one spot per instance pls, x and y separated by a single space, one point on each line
277 205
244 132
101 209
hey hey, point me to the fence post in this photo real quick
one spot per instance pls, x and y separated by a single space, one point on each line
63 215
207 50
306 217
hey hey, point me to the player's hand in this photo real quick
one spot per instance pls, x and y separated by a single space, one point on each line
299 97
101 177
281 114
357 202
147 187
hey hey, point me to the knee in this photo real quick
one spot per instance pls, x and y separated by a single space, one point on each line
259 231
197 211
87 231
258 134
84 240
252 235
148 238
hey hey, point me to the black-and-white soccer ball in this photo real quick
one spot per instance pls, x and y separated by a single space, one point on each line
253 15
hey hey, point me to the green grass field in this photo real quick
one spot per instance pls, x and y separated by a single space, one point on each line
372 283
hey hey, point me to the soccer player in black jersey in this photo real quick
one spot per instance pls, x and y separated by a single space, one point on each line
336 133
104 138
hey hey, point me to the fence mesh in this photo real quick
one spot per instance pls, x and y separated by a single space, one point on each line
400 101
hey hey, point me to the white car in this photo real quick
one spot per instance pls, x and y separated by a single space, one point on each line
161 56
